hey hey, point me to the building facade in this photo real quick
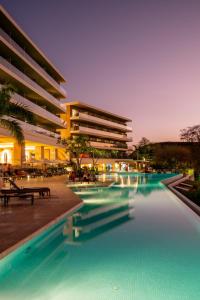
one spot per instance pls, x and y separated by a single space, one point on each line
38 86
105 130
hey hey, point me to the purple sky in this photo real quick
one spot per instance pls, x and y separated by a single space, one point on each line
140 59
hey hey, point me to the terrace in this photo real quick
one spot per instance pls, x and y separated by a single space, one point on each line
20 221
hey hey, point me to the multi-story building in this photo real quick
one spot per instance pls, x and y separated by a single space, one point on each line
104 129
38 86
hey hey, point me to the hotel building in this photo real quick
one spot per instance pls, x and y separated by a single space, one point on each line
38 86
105 130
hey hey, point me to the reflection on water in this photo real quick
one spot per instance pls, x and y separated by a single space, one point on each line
128 241
141 183
94 219
105 208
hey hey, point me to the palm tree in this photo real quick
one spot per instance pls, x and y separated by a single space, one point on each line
9 110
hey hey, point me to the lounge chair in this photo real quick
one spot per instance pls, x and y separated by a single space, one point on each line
41 190
5 197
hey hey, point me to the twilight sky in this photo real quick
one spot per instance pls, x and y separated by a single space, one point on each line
137 58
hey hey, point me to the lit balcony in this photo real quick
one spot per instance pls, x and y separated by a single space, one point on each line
107 146
43 115
13 46
21 81
100 133
96 120
35 133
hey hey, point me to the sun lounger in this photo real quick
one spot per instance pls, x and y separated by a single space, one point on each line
6 197
41 190
3 197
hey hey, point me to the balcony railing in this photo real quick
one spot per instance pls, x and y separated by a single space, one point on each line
37 110
39 130
97 120
107 146
33 63
31 84
26 127
101 133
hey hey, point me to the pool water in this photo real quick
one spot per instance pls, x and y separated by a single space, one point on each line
133 240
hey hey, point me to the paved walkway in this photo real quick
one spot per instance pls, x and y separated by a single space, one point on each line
19 221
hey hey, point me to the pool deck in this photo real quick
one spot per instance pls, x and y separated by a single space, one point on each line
20 221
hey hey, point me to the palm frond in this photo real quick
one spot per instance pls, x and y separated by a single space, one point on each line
14 128
6 92
21 111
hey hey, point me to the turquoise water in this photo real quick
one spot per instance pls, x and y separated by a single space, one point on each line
134 240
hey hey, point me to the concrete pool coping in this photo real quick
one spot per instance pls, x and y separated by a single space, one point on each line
170 183
21 223
39 231
6 222
75 205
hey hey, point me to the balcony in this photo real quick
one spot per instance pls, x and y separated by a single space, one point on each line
39 111
100 133
96 120
27 84
33 64
107 146
35 134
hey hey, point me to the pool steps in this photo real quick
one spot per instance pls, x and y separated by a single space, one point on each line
176 180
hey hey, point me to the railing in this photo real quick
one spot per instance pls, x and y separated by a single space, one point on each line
36 109
38 129
31 84
107 146
35 129
32 62
96 132
98 120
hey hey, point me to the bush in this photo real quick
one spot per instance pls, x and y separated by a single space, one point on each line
194 193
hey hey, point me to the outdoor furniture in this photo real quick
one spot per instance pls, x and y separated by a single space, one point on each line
5 197
41 190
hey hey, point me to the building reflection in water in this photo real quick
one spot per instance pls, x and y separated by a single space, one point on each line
107 207
95 219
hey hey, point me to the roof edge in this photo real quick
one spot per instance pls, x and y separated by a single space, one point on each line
11 19
83 104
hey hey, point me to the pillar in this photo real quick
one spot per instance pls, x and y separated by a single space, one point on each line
56 153
39 152
47 153
18 154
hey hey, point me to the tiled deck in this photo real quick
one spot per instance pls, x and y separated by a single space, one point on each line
19 221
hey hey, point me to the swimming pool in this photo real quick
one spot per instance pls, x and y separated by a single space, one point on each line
133 240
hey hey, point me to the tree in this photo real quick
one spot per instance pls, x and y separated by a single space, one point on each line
171 157
192 135
143 142
95 154
9 110
77 146
142 149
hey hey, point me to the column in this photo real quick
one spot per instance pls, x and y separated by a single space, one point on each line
18 154
39 152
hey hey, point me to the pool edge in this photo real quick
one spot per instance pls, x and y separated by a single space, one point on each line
11 249
170 185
